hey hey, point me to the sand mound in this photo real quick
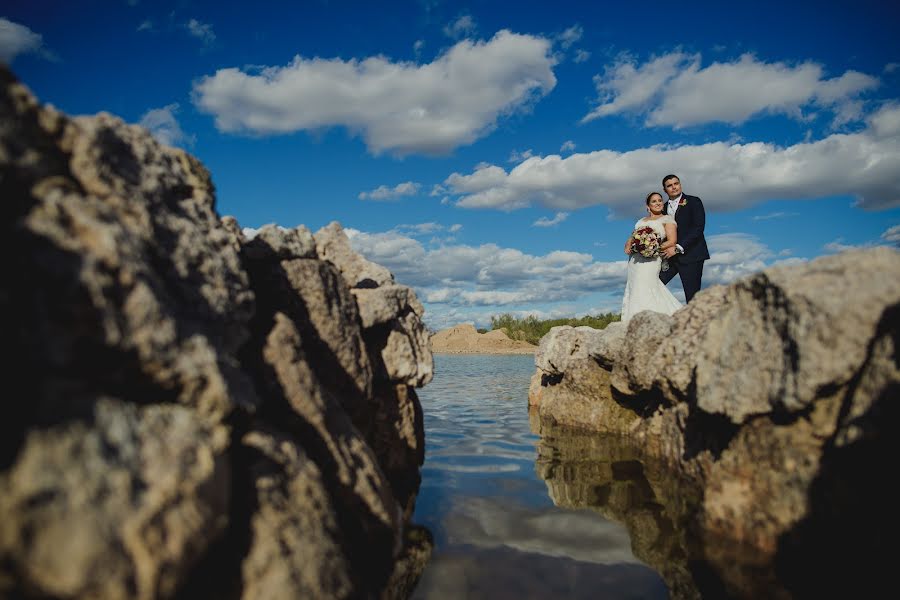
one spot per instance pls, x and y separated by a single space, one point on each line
464 339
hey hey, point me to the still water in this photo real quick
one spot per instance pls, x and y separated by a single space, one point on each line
486 493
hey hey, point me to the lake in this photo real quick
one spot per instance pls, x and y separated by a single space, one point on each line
485 495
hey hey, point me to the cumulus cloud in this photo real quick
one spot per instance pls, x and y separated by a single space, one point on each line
892 235
461 27
556 220
399 107
201 31
164 126
484 271
570 36
581 56
568 146
382 192
16 39
734 255
674 90
420 228
727 176
459 282
516 157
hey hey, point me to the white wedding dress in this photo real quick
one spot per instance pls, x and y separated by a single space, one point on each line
643 289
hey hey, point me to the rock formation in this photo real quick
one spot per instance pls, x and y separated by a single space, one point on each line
775 395
191 413
465 339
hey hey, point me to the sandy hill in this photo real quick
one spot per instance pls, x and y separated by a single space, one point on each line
464 339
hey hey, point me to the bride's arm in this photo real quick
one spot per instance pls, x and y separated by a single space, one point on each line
671 236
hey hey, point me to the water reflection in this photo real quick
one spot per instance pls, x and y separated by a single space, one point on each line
606 474
497 533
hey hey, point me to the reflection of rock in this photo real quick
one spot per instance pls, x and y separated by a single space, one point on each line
772 394
201 414
625 484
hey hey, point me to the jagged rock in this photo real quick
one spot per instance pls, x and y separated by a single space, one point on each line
565 346
278 243
332 245
120 507
769 393
198 414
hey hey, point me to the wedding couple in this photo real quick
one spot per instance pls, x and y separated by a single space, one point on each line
679 225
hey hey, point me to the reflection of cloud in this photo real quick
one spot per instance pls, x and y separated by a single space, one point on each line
580 535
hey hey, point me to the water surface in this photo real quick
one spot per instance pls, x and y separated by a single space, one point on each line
497 531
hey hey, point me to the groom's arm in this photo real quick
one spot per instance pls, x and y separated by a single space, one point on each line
691 235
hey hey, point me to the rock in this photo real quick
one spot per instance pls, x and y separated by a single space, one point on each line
198 414
278 243
768 393
332 245
465 339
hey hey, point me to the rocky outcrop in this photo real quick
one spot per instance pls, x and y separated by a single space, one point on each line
774 395
465 339
193 413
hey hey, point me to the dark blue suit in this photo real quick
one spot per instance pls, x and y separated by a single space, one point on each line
691 220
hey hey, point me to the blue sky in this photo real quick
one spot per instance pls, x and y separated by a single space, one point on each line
495 155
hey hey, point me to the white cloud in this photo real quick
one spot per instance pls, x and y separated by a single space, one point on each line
838 245
461 27
419 228
891 67
734 255
556 220
516 157
461 283
455 227
775 215
418 46
164 126
568 146
145 26
581 56
892 235
382 192
570 36
674 90
201 31
726 176
399 107
16 39
446 271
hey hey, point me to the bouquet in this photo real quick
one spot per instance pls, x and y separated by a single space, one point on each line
646 242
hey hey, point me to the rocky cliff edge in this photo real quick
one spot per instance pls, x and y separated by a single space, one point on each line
777 395
191 413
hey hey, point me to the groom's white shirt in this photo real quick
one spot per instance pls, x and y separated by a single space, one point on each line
673 206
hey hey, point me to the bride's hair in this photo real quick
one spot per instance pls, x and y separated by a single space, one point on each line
650 195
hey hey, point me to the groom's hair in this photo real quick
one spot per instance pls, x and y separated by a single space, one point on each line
670 176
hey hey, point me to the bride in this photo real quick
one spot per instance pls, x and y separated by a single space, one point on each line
643 288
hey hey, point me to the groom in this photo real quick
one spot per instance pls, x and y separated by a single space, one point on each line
687 256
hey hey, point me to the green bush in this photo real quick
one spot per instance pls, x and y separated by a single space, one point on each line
530 329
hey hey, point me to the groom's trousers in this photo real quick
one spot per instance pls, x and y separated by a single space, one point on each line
690 272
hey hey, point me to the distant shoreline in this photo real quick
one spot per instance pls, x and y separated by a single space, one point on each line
488 352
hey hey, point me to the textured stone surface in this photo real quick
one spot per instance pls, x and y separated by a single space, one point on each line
198 414
773 393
